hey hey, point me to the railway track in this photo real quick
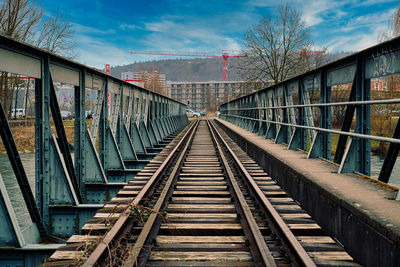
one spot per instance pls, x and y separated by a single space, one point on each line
202 202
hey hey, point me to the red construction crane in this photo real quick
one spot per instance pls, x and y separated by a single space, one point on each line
224 56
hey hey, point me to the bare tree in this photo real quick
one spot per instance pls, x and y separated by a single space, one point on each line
23 21
274 46
57 35
393 27
19 19
312 59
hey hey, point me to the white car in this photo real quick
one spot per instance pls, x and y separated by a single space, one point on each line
192 114
66 115
19 112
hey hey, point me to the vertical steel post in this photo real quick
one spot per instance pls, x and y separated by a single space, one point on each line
363 120
357 157
80 132
346 124
321 143
97 112
326 117
263 114
103 127
271 129
120 117
283 133
302 119
155 121
42 136
39 141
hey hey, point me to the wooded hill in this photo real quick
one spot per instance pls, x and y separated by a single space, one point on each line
195 70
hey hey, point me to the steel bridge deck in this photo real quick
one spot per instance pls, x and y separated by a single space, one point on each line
201 202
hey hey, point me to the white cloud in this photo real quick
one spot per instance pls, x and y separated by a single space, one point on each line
356 41
372 2
261 3
359 32
82 29
168 34
315 12
369 21
96 53
336 24
125 26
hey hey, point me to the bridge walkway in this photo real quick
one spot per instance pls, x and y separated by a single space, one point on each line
362 213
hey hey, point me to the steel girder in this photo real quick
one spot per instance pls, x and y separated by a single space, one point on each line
68 192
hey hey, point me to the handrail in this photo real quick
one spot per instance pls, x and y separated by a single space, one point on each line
348 103
370 137
373 51
271 112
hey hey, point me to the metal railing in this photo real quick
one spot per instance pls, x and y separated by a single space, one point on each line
130 125
308 126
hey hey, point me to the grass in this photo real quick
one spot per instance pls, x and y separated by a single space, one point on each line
376 147
24 136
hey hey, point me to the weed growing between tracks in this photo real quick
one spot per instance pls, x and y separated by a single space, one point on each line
142 213
119 251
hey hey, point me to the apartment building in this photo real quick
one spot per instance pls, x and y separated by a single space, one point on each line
205 96
152 81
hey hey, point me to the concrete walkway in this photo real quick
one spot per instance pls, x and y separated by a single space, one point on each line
318 187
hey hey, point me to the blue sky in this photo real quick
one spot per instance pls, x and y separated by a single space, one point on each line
107 30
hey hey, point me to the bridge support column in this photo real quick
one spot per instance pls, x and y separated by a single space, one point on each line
262 115
357 157
284 132
271 130
321 143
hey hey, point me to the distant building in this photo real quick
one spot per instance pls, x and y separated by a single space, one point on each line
382 84
152 81
133 78
386 84
206 96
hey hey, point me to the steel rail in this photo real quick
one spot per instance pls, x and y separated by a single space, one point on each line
124 217
289 237
135 251
345 103
364 136
263 251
